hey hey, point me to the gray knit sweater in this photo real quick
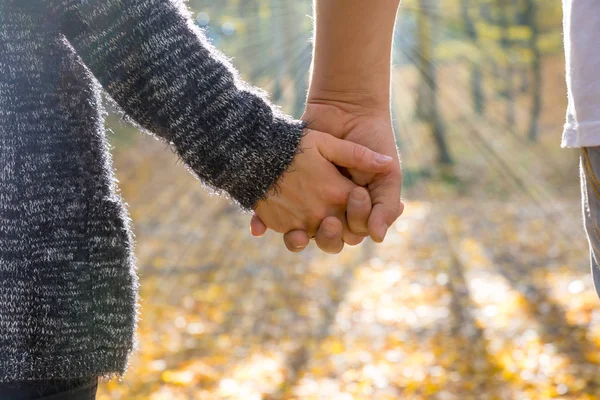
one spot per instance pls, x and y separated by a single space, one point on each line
67 281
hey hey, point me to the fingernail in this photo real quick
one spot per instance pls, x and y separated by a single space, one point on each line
381 159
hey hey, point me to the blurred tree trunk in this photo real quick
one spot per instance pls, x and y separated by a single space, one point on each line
428 109
488 15
524 83
536 65
278 42
505 44
477 93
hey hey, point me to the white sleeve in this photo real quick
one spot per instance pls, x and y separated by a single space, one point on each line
582 49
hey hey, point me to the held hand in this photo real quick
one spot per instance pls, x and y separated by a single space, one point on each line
372 129
333 232
313 188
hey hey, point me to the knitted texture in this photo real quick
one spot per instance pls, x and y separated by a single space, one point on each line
68 287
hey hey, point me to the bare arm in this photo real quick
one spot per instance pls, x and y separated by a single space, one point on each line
349 97
353 47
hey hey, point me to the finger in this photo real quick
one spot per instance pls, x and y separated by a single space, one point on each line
351 239
358 211
387 206
296 241
351 155
382 217
329 235
361 178
257 227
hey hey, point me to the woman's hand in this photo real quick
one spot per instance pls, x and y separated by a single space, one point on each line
313 188
371 128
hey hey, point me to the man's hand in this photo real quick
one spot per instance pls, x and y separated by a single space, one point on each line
373 129
313 188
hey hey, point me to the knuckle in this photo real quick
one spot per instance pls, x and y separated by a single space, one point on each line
328 226
321 140
395 212
359 153
315 219
330 231
336 195
319 214
359 195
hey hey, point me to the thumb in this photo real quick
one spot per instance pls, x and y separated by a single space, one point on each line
257 227
351 155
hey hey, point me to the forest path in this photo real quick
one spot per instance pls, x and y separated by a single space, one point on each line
466 299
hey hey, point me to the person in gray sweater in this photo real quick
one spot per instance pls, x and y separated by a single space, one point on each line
68 286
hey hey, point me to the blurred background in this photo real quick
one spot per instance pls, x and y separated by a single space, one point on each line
481 290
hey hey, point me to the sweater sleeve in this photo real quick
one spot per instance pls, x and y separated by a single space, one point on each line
158 67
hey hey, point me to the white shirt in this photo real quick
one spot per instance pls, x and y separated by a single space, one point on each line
582 48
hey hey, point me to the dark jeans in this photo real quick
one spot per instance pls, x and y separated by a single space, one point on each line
74 389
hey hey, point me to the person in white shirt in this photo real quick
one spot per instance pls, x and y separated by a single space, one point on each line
582 129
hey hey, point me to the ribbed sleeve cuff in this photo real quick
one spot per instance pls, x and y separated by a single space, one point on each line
274 160
248 170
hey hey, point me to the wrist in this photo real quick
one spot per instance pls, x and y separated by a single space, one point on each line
354 102
365 92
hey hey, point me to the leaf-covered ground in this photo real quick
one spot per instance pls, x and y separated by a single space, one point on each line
466 299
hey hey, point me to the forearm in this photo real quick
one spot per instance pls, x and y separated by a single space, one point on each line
353 47
157 66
